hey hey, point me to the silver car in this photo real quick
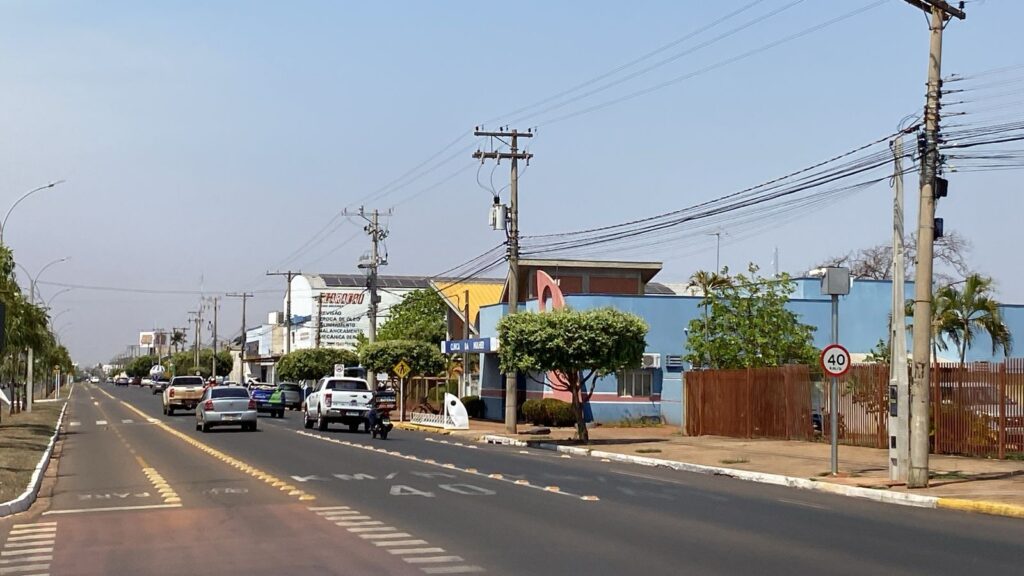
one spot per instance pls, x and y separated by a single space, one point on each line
226 406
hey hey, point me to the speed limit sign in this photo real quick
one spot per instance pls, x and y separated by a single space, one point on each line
835 360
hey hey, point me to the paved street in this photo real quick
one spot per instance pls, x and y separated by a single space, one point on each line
142 493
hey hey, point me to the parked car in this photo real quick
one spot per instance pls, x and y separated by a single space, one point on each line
121 381
182 392
147 382
226 406
292 395
95 380
135 381
344 400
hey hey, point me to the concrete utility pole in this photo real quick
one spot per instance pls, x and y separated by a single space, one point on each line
940 11
465 336
377 234
515 156
899 385
213 360
319 317
288 308
241 354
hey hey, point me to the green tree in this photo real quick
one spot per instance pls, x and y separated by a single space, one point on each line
749 326
178 339
313 363
424 358
184 363
972 311
579 346
140 366
419 316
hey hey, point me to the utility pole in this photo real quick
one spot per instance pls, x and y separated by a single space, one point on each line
213 360
899 385
940 12
515 156
465 336
319 316
288 308
241 354
377 234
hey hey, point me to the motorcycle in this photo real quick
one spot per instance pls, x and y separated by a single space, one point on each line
380 413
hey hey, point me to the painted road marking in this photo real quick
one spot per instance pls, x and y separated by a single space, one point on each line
74 424
403 551
28 549
400 543
384 536
434 559
126 421
113 509
452 569
101 422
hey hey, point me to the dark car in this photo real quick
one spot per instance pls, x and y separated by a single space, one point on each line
136 381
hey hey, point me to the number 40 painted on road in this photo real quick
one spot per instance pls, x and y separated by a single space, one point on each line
835 360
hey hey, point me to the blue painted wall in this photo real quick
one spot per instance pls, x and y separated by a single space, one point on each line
863 320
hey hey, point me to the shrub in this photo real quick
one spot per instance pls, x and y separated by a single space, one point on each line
549 412
475 406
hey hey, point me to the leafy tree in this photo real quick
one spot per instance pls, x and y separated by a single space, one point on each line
140 366
184 363
972 311
750 326
419 316
313 363
423 358
178 339
579 346
881 353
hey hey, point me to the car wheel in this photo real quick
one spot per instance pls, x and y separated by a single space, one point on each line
321 422
280 413
384 433
206 427
306 422
198 426
170 411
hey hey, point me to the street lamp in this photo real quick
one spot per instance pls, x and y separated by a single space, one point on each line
58 293
33 290
3 225
32 299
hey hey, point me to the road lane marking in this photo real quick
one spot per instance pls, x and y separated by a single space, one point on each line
360 523
44 550
385 536
75 423
29 530
28 549
9 561
126 421
434 559
37 543
401 543
29 568
452 569
33 525
101 422
319 508
402 551
372 529
30 537
113 509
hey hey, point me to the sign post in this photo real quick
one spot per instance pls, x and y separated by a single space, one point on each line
401 370
835 361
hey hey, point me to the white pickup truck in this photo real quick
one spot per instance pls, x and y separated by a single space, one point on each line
183 393
345 400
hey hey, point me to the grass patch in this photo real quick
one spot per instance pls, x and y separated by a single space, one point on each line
954 475
23 438
648 450
734 461
641 422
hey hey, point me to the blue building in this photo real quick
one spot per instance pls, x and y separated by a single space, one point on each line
656 390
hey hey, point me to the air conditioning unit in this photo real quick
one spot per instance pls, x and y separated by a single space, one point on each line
651 360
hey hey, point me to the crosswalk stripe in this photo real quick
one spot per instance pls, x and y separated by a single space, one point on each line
34 525
7 561
40 529
319 508
400 543
402 551
101 422
126 421
385 536
73 424
360 523
27 544
372 529
28 568
20 537
46 550
433 559
451 569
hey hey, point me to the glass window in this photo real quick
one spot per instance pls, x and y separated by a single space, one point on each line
635 382
228 392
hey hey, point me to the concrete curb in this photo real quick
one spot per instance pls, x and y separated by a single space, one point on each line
418 428
22 503
886 496
982 507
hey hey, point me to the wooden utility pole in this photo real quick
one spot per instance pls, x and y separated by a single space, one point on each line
288 308
377 234
940 12
513 243
241 354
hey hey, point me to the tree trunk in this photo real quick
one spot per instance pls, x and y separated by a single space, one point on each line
577 408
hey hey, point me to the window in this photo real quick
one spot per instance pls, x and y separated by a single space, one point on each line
348 385
228 393
635 382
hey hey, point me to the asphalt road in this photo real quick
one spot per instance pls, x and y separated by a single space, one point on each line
142 493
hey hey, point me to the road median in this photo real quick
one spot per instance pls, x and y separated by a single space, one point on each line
26 441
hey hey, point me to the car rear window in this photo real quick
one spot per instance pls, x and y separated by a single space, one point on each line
346 385
229 392
188 381
292 387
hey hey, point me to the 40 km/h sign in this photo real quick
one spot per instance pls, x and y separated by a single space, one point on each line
835 360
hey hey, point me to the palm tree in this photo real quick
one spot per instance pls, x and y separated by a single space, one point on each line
940 324
973 311
707 283
178 340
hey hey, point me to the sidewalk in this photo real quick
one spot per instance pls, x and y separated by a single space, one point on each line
998 481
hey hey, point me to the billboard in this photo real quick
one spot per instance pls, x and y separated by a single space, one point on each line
342 315
147 339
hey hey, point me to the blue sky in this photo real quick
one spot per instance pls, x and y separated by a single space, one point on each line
204 142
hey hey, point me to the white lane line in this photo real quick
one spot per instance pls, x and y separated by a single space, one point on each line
433 559
452 569
34 525
75 423
101 422
383 536
46 550
36 543
804 504
401 551
346 516
7 561
126 421
360 523
16 531
372 529
319 508
19 538
400 543
28 568
112 509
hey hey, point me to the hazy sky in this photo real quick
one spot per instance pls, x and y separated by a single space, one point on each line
204 142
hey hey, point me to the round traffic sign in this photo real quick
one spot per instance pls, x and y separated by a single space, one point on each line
835 360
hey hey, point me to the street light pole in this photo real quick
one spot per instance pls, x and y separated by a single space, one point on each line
32 299
3 225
